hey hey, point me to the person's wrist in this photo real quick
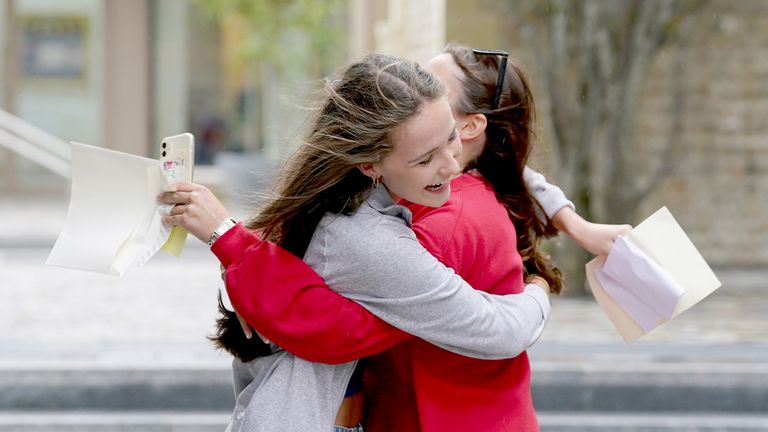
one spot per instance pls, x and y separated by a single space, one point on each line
540 282
566 220
221 229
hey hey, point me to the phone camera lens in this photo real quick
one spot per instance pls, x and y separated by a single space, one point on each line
164 145
163 153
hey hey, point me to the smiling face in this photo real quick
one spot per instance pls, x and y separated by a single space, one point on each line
423 157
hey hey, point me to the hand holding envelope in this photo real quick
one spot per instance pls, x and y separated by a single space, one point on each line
651 275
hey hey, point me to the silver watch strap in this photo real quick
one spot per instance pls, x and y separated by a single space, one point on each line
221 229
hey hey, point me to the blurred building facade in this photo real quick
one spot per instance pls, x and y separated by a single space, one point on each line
123 74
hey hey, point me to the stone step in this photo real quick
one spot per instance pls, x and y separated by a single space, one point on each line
649 422
652 387
116 389
679 388
169 421
136 421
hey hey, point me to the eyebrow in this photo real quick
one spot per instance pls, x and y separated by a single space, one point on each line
434 149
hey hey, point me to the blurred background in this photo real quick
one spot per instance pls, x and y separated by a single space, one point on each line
641 104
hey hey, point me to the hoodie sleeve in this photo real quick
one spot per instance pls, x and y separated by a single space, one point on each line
550 197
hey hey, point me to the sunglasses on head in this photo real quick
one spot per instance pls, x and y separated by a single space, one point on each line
502 71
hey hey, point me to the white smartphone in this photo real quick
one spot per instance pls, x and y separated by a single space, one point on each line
177 157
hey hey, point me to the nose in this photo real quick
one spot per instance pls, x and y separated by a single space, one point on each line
451 166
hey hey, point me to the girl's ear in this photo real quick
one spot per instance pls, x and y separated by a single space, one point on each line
369 170
474 125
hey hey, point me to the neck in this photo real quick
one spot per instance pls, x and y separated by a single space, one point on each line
395 198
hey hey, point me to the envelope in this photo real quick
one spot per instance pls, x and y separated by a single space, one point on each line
661 272
114 222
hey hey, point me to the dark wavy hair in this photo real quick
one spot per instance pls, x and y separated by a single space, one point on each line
362 108
508 146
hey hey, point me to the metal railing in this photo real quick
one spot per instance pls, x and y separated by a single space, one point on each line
35 144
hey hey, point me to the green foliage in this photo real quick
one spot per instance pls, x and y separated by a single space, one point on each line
288 33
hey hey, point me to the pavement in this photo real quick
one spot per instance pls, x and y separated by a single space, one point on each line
163 311
156 319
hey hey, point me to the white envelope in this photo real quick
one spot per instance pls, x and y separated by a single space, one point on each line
114 222
661 239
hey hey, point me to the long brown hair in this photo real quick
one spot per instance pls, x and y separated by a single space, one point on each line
363 106
508 146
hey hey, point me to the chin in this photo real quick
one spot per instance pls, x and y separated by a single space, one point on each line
437 200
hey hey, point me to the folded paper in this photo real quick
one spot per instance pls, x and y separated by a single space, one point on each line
114 222
652 275
642 287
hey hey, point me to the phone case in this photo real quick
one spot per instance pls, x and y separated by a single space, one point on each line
177 159
177 155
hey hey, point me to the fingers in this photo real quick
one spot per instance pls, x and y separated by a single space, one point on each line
174 220
611 233
182 193
175 197
196 209
247 329
178 209
263 339
245 326
616 231
623 229
183 186
177 215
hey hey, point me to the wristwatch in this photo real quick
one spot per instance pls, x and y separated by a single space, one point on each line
221 229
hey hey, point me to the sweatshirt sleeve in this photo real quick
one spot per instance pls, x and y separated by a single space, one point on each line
550 197
418 294
290 304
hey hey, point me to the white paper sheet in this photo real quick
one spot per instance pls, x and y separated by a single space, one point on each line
664 242
114 221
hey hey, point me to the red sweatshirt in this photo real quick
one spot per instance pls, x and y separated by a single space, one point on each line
414 386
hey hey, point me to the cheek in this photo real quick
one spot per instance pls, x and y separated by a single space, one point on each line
406 184
405 181
418 177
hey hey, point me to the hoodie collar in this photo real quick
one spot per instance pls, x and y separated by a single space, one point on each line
382 202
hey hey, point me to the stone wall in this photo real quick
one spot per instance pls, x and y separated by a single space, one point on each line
718 189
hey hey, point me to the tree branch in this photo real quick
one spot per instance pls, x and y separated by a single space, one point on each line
679 103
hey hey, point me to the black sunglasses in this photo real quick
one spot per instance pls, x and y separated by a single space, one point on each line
502 71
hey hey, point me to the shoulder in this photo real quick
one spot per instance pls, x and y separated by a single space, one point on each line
364 233
370 253
471 199
366 224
